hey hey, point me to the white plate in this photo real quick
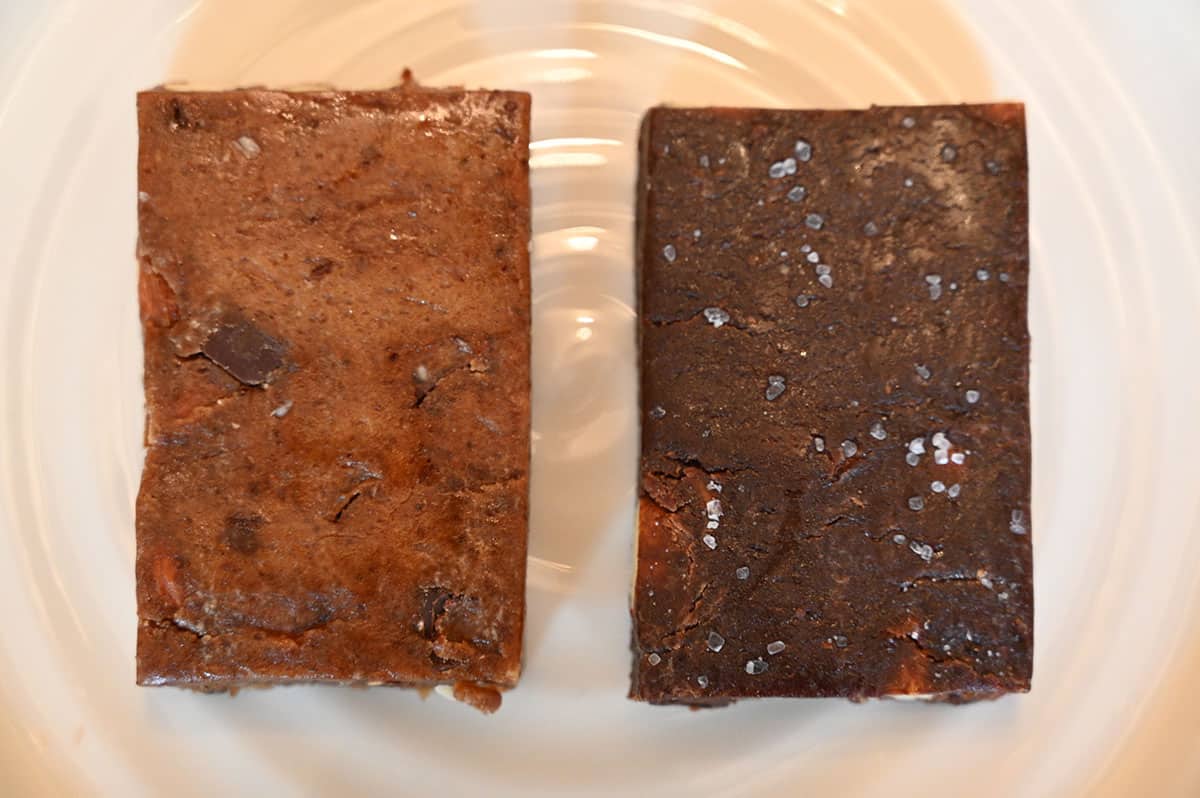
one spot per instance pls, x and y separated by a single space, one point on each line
1116 393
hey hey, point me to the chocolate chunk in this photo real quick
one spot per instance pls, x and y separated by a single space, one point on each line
179 116
320 267
241 532
245 351
433 606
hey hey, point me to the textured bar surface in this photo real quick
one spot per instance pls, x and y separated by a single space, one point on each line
835 414
334 292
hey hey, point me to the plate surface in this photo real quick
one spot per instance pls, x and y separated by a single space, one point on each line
1114 309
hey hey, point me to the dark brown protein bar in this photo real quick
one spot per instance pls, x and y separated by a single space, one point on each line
835 410
335 301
